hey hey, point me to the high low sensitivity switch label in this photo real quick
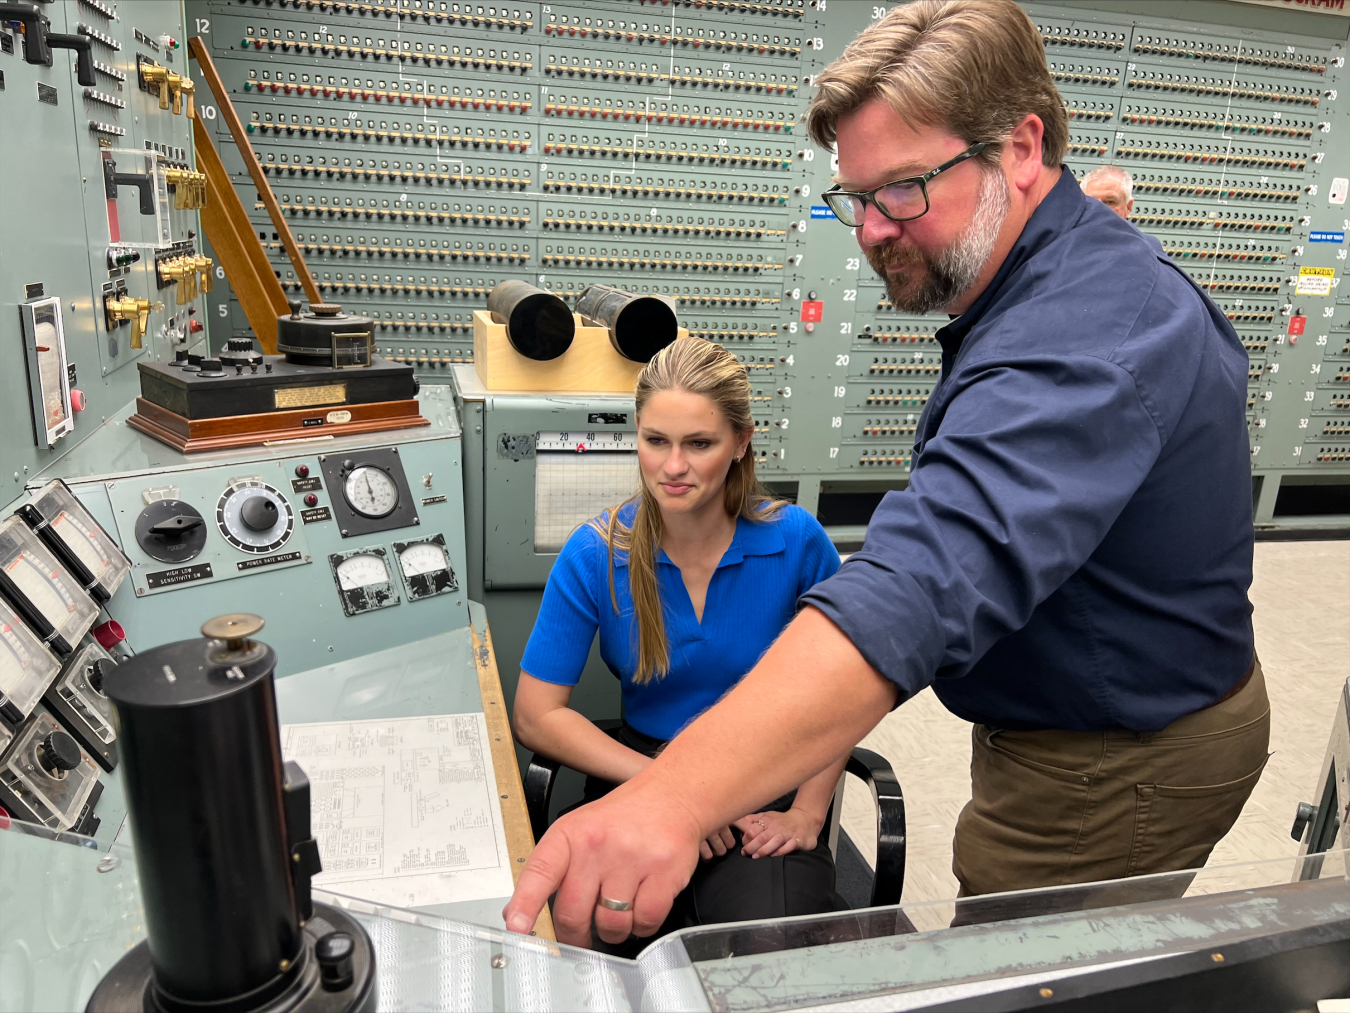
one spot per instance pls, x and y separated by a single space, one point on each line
1315 280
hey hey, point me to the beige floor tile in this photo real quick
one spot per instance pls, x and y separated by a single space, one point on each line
1301 595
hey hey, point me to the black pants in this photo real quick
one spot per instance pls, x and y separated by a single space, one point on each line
732 887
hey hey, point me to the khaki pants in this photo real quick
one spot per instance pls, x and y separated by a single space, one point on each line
1050 808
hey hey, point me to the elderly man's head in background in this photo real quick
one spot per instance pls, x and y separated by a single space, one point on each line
1113 186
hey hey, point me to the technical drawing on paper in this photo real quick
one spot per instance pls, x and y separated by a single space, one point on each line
405 810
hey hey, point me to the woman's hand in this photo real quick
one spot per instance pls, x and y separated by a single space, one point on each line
768 835
718 843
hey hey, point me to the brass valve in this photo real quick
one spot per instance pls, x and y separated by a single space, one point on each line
188 88
177 178
135 310
183 271
189 188
175 90
204 266
157 77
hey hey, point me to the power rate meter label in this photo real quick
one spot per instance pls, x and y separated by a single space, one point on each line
1315 280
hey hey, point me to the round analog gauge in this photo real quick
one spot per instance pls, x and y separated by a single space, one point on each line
362 570
370 491
422 558
254 517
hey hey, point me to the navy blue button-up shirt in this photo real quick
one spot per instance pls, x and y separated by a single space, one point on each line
1075 545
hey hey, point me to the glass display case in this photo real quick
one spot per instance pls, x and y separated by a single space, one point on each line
81 911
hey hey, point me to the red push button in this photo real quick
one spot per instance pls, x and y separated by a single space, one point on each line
1297 325
813 310
109 634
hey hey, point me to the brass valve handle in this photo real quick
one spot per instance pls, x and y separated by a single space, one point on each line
157 76
204 267
176 90
188 88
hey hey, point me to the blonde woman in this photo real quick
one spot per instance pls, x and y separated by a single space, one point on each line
687 584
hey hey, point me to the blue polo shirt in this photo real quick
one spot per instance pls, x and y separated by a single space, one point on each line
1075 545
751 597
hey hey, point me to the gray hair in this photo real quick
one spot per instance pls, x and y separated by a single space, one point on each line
1112 174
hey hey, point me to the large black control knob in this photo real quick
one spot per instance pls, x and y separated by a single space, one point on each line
58 753
171 531
98 671
258 513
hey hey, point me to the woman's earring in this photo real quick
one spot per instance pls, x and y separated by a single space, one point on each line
739 456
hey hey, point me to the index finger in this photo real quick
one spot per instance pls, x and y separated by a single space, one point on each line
543 873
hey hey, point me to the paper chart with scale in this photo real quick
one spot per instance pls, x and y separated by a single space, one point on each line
571 488
405 810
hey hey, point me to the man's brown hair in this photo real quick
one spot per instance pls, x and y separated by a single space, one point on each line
974 67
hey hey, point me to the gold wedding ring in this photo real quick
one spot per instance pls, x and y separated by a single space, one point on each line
616 905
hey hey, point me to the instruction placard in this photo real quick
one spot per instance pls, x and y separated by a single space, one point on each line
1315 280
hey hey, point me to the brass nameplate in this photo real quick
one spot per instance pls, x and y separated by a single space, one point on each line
305 397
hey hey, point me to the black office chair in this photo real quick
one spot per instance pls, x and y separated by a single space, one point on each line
871 768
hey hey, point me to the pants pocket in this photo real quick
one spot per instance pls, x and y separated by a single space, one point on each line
1177 827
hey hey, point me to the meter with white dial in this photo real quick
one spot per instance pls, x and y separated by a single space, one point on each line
370 491
362 570
41 590
26 667
363 580
426 568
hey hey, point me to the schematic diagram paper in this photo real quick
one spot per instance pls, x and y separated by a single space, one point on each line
405 810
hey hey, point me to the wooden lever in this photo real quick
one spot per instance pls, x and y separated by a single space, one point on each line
199 53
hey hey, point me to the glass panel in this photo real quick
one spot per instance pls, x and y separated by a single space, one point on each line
965 947
71 910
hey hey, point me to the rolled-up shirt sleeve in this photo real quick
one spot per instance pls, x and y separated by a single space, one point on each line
1031 463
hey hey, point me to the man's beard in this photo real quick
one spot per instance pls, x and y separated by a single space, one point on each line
951 273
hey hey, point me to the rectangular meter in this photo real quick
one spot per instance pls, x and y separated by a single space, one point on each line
44 343
45 778
41 590
77 698
26 667
83 547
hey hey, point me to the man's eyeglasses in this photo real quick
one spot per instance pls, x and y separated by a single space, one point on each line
901 200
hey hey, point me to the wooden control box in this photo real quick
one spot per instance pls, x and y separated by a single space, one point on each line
591 364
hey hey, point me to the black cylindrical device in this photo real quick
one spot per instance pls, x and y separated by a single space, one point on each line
325 337
202 769
220 829
639 325
538 323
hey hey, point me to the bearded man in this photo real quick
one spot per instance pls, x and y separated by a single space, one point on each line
1068 568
